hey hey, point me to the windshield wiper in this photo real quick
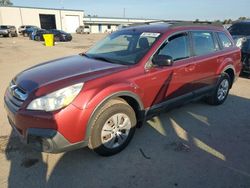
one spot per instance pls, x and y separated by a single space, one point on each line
101 58
83 54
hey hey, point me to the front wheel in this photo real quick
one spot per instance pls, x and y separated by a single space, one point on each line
113 128
221 92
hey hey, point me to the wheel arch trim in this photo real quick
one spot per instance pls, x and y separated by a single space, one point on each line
104 101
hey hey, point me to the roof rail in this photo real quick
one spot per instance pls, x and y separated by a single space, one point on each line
178 23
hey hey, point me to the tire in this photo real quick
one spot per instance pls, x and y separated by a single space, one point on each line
57 39
221 91
106 132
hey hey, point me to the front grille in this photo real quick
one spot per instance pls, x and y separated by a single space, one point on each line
15 96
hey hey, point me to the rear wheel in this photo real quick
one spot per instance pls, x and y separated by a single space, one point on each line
113 128
221 92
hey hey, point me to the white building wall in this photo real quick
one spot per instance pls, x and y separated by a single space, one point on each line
93 22
64 14
18 16
104 28
113 27
10 16
31 16
94 29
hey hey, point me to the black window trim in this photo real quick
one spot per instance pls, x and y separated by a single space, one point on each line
213 37
220 42
167 41
149 63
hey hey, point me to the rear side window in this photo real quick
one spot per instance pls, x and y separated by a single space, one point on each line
203 42
225 41
177 47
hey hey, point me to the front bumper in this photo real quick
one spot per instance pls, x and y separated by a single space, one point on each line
47 140
48 132
246 62
3 32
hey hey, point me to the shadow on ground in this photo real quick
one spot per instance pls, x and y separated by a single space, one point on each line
196 145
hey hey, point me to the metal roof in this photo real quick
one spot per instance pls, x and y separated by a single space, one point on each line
42 8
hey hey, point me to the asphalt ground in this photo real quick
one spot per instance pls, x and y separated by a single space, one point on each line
194 146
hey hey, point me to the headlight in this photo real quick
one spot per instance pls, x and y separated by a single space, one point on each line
240 41
57 99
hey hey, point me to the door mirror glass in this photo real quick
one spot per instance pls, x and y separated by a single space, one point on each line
162 60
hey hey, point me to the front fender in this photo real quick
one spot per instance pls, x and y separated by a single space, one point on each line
91 99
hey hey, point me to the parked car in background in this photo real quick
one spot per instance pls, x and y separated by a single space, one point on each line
98 98
241 34
60 36
23 27
8 30
28 30
85 29
37 35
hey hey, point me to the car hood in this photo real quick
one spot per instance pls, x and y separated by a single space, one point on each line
63 69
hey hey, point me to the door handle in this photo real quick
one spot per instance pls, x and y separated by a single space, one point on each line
189 68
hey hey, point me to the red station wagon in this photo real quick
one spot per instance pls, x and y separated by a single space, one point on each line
98 98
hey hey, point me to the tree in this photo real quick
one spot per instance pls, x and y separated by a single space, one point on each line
5 3
242 18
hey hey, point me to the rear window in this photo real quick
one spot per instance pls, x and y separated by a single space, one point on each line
203 42
225 41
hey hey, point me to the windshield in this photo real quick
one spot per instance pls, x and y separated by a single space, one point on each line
240 29
124 47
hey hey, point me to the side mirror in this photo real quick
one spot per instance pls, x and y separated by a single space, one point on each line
163 60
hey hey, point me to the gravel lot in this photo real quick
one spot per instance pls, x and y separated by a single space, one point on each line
194 146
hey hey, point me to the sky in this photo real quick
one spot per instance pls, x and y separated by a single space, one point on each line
154 9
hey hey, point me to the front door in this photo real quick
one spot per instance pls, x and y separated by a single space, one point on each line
180 80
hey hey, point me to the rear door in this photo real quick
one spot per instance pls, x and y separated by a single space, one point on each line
206 51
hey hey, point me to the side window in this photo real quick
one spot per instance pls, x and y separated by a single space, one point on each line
203 42
225 41
177 47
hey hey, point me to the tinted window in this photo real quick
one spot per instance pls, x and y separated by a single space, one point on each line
203 42
177 47
225 41
240 29
4 27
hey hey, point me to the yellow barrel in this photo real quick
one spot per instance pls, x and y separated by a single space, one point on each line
49 39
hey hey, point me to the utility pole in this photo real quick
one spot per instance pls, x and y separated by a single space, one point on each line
124 12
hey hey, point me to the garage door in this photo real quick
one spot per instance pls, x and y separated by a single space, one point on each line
72 23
